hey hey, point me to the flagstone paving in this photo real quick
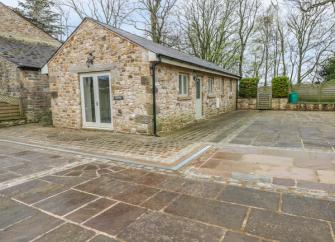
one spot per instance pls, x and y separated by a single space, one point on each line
128 204
243 191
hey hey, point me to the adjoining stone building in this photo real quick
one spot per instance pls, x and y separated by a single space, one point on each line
103 78
24 49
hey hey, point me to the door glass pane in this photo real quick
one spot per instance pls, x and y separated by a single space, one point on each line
89 99
197 91
104 99
185 86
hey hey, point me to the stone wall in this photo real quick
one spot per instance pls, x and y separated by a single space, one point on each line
282 104
246 103
311 107
175 111
251 103
14 26
9 78
31 86
35 95
130 73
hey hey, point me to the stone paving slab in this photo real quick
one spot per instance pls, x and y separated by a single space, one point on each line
250 197
67 233
29 228
287 228
313 208
162 227
237 237
102 238
120 190
201 189
208 211
18 161
115 219
89 210
65 202
11 212
33 191
159 200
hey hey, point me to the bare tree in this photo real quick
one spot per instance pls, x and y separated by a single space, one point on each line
65 20
266 29
314 36
308 5
247 11
279 42
154 18
210 30
111 12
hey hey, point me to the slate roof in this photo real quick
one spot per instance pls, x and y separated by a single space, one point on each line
166 51
25 54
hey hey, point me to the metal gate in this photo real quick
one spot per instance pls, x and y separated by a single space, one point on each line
264 98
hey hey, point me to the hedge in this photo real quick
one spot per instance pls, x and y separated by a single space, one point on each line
280 87
248 87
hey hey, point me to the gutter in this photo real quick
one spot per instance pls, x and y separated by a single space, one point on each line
154 111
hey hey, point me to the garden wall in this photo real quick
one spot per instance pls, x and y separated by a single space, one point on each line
282 104
251 103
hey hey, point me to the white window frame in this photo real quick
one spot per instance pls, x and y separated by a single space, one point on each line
210 85
183 82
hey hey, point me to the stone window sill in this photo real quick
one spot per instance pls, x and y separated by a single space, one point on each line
183 98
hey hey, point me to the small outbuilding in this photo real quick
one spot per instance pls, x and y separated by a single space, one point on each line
106 78
24 49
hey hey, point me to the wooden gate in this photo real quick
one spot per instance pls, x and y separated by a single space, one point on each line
264 98
10 108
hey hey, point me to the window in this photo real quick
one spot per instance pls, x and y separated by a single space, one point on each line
230 86
183 84
210 85
222 86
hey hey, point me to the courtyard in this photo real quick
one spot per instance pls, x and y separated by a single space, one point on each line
264 176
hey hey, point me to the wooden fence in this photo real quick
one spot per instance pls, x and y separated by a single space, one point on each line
10 108
316 93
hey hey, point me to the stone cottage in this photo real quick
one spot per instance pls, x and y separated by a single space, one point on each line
24 49
107 78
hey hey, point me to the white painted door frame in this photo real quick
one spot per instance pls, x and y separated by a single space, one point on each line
97 124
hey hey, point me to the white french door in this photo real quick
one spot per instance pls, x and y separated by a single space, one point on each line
96 100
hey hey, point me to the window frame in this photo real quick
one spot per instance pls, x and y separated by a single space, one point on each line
222 86
230 87
210 85
183 84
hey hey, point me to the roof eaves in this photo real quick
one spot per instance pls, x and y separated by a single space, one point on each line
211 69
